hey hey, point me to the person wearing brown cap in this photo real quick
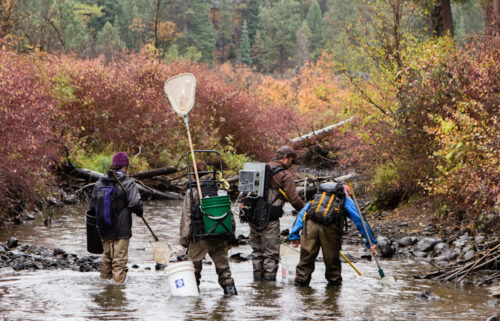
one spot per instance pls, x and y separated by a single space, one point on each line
114 198
265 241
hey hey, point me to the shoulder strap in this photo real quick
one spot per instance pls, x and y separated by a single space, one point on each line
277 169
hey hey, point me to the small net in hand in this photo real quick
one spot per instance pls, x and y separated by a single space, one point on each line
161 252
180 91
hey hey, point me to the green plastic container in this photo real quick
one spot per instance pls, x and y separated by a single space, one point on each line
217 215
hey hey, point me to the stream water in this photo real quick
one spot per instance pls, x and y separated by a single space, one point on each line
71 295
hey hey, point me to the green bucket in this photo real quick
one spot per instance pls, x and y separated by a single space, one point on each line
217 215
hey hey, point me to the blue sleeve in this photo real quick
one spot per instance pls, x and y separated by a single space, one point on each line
299 222
353 214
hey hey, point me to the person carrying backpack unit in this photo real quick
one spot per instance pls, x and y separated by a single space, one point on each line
114 197
264 224
322 223
198 240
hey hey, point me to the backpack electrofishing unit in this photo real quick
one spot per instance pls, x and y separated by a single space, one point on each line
213 217
257 196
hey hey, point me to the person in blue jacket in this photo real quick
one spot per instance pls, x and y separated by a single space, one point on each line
321 222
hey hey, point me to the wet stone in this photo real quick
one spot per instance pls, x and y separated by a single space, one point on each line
440 247
159 267
443 264
59 252
207 262
405 241
28 216
426 244
367 257
147 268
12 242
385 247
237 257
285 232
135 266
70 199
479 239
419 254
469 255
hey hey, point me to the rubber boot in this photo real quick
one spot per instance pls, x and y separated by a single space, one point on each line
257 275
230 290
269 276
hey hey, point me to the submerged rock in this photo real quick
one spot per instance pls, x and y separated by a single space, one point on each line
12 242
237 257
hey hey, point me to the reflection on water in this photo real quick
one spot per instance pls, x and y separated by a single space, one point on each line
70 295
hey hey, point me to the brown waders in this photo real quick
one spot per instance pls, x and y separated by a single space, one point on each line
315 236
266 251
114 259
217 250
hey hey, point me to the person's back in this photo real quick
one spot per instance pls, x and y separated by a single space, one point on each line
114 197
265 236
198 244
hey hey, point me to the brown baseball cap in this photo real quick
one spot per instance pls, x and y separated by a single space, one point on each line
286 151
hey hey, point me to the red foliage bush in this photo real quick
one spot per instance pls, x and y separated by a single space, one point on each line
49 102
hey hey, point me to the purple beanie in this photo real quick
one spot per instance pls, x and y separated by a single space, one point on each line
120 159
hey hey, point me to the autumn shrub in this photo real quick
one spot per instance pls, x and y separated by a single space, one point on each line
462 95
52 106
29 146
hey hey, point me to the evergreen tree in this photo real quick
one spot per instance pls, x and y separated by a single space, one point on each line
225 42
245 54
252 18
108 42
198 30
315 24
303 44
279 25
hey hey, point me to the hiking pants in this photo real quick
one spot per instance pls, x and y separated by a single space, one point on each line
315 236
266 251
217 250
114 259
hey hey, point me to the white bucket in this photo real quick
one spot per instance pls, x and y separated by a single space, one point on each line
181 279
288 266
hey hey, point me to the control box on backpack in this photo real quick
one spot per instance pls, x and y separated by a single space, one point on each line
252 179
255 188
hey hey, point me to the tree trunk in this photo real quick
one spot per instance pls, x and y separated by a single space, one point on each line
492 21
442 19
446 17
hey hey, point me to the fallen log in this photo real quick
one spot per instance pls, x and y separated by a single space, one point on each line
319 131
93 176
155 172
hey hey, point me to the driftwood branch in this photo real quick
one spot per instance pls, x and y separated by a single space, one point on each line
93 176
320 131
155 172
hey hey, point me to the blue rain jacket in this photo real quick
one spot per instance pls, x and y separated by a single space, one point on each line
351 213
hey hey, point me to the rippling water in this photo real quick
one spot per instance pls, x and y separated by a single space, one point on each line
69 295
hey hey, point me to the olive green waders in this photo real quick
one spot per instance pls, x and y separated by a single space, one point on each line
315 236
114 259
217 250
266 251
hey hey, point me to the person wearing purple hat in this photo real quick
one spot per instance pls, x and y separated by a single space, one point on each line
114 198
265 241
